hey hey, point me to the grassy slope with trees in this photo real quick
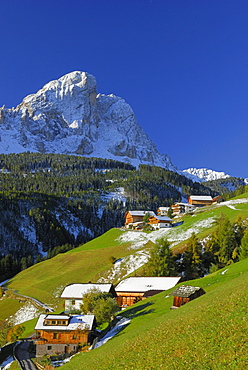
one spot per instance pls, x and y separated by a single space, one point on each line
207 333
88 262
50 203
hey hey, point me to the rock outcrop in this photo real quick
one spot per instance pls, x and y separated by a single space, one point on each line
69 116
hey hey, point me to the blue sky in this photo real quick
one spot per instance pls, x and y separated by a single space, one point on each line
182 65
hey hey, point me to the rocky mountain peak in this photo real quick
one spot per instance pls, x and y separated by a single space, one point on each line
69 116
204 174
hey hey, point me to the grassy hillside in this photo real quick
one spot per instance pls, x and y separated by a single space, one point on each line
207 333
91 261
45 280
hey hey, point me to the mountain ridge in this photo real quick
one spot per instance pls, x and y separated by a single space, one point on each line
204 174
69 116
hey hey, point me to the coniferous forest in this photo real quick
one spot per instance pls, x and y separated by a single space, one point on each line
50 203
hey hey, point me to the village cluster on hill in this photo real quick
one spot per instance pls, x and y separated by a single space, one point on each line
138 220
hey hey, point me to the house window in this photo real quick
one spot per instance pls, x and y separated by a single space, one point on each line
55 335
59 322
73 302
49 348
64 322
74 336
53 322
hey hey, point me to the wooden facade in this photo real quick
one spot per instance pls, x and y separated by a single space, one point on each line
218 199
185 294
62 334
136 217
158 222
126 299
200 200
179 208
162 211
134 289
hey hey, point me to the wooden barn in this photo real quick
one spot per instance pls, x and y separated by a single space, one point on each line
134 289
200 200
185 294
159 222
62 334
136 217
73 293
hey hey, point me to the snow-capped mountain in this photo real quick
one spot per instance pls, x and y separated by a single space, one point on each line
204 174
69 116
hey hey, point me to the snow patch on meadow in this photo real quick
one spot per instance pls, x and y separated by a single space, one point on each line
125 266
25 313
119 326
232 203
173 234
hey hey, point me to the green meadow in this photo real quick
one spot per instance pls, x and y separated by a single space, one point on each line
208 333
46 280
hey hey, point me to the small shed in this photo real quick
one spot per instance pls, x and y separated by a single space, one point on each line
186 293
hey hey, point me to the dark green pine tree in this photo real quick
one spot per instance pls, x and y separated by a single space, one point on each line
161 261
192 260
244 246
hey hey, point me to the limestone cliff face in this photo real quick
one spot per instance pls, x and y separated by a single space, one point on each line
69 116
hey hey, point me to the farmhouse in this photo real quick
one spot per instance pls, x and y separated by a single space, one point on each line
162 211
62 334
73 293
179 208
185 293
134 218
218 199
200 200
134 289
158 222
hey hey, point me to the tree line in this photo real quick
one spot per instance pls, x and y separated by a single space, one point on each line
228 244
50 200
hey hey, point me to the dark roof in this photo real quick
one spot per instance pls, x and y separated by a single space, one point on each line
185 291
152 292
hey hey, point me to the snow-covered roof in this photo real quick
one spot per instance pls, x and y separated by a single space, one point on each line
75 322
163 208
143 284
78 290
141 213
163 218
57 317
201 197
